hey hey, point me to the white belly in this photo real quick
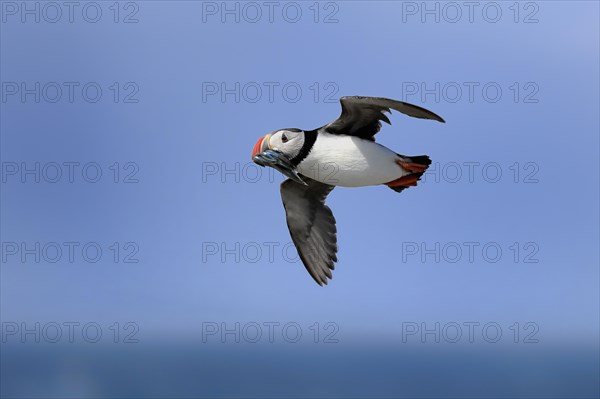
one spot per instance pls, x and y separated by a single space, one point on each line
350 161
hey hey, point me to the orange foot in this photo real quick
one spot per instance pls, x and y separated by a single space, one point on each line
408 180
412 167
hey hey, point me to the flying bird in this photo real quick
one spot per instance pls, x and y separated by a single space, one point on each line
341 153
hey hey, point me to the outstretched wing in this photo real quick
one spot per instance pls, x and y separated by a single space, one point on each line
362 116
312 225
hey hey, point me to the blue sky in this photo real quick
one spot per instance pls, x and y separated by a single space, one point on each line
184 98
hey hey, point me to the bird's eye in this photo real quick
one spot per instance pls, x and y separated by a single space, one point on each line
284 139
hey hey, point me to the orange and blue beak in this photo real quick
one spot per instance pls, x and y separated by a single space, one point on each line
261 145
264 155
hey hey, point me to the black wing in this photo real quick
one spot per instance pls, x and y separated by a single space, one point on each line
362 116
312 225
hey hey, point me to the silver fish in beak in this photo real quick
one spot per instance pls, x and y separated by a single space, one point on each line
278 161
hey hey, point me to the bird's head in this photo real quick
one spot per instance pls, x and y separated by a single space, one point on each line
289 141
277 149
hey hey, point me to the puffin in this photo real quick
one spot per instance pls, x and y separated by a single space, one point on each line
341 153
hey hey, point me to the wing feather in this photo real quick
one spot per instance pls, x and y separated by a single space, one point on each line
362 116
311 225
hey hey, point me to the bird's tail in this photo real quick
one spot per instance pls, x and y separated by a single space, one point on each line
415 165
